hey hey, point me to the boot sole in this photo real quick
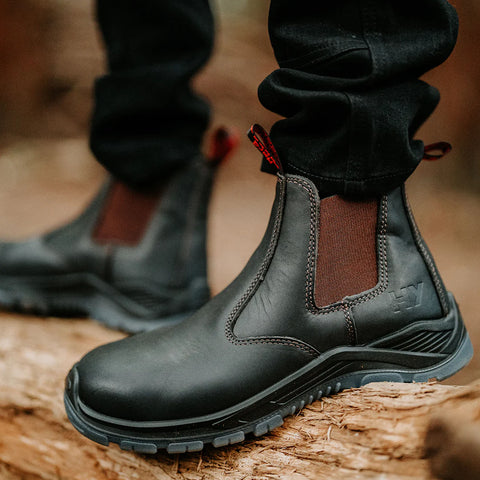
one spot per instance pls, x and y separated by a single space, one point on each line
85 295
336 370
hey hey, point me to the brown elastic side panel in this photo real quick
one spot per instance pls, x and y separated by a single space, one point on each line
126 215
347 253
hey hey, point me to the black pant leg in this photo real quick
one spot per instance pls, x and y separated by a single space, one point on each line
147 121
348 85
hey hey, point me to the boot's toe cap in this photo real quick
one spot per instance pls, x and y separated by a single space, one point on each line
111 383
129 382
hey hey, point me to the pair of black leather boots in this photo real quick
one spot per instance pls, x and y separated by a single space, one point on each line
340 292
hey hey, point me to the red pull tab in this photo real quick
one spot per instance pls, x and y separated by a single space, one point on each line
442 147
261 140
224 142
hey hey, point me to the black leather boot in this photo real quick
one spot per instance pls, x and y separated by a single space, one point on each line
132 260
339 293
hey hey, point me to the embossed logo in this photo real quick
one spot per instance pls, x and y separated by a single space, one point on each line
407 298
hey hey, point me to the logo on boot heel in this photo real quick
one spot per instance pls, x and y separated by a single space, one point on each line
407 298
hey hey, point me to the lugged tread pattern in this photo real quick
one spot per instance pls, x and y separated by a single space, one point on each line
230 439
184 447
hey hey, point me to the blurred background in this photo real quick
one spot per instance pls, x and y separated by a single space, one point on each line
50 52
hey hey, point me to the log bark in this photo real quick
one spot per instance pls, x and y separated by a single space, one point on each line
376 432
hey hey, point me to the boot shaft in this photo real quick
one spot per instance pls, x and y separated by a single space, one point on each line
357 270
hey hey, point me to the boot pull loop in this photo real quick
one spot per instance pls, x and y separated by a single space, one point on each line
223 143
261 140
442 147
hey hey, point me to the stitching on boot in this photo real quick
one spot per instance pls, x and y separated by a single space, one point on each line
346 257
351 329
252 288
425 254
381 248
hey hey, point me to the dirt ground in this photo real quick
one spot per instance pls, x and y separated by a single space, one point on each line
44 182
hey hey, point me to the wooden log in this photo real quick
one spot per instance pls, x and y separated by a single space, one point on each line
373 432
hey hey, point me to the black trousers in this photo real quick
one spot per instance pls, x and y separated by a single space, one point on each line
347 84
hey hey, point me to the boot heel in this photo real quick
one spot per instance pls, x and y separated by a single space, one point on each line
453 364
455 347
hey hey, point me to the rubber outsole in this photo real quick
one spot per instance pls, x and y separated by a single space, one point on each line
86 296
151 441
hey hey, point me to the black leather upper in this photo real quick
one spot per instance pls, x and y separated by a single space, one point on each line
265 325
68 249
157 272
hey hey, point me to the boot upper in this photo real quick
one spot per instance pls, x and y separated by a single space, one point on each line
265 325
155 275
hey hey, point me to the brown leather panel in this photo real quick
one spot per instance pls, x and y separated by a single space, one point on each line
347 253
126 215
